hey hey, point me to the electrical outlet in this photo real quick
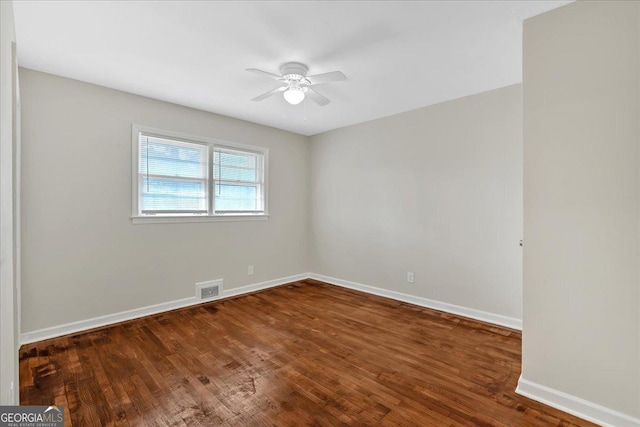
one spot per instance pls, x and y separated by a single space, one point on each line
250 270
410 277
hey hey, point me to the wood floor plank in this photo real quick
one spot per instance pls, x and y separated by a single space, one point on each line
303 354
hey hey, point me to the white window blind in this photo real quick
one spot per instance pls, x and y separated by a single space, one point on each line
181 177
238 182
173 177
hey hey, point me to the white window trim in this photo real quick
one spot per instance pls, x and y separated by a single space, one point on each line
136 218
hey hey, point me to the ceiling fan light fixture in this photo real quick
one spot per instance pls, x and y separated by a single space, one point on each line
295 85
294 95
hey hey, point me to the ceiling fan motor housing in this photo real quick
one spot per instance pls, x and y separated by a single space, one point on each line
294 71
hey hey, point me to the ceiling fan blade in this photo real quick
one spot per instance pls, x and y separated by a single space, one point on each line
265 73
270 93
321 100
333 76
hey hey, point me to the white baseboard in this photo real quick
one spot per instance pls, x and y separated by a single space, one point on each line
574 405
96 322
509 322
557 399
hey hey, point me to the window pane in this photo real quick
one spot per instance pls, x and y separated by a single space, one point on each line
175 176
226 173
236 197
172 158
235 166
172 195
240 160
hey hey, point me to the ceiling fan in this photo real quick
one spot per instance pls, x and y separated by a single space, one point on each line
296 85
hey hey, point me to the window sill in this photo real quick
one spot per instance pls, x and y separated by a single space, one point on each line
182 219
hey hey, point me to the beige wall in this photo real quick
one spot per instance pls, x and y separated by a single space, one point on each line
436 191
82 256
9 264
582 202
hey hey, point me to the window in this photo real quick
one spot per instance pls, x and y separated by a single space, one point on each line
178 178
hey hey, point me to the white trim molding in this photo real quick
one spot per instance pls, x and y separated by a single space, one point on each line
574 405
484 316
100 321
546 395
109 319
203 218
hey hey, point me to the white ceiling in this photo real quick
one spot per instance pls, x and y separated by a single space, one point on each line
397 55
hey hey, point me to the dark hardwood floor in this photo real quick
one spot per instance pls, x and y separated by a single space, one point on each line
304 354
